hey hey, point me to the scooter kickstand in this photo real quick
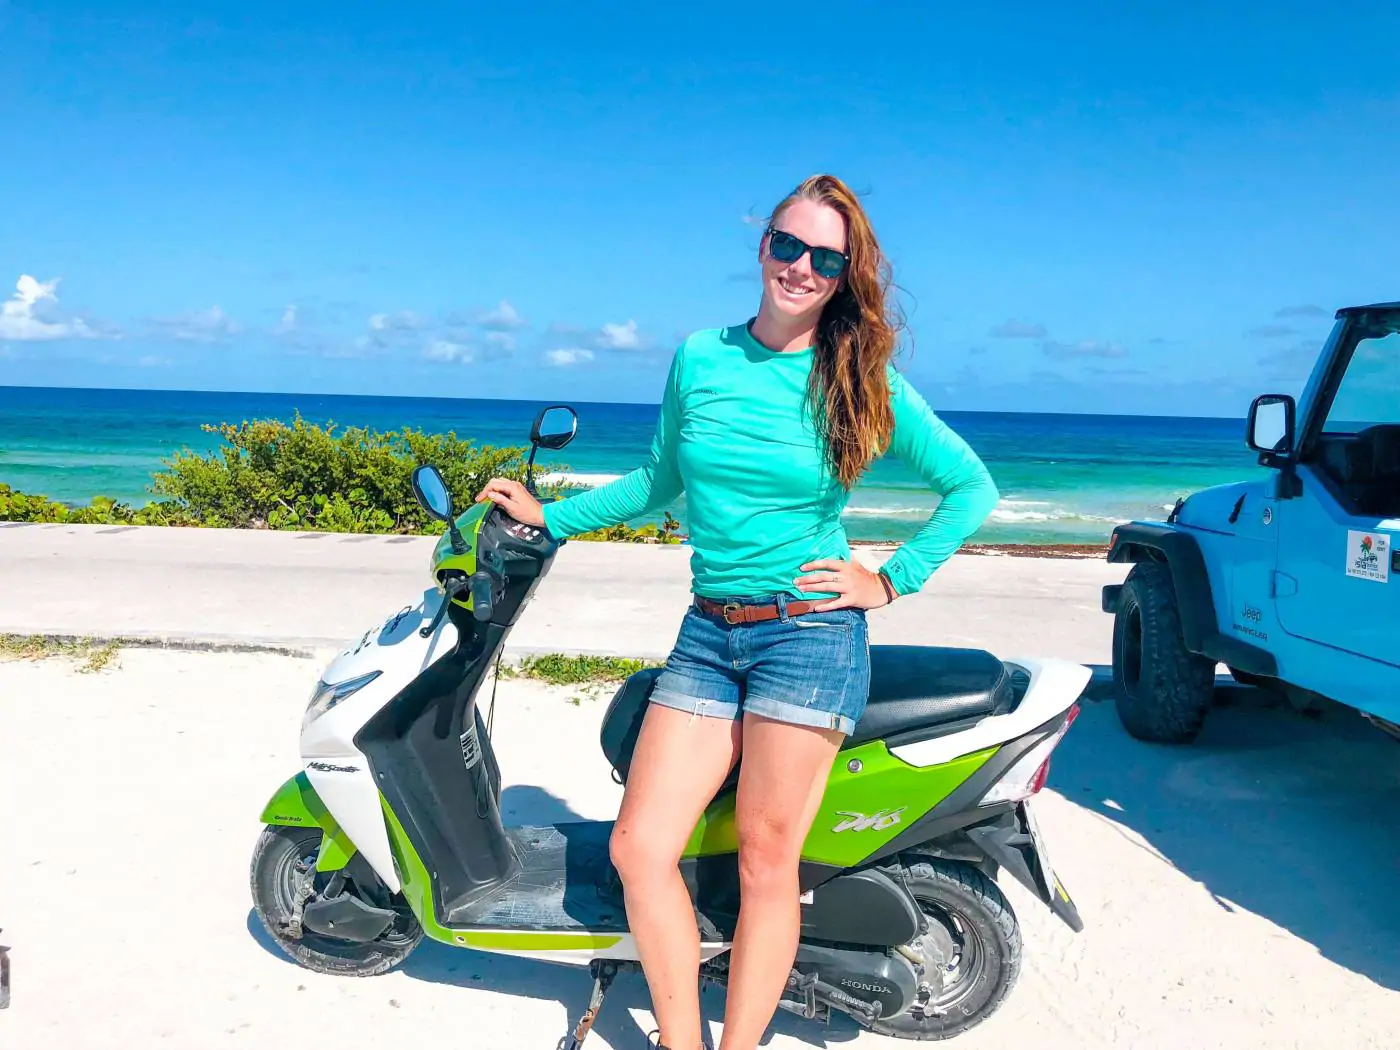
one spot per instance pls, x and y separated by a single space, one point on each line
603 971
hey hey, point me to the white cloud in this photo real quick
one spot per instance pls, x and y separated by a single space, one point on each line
568 356
446 350
503 318
400 328
402 321
1016 329
1085 348
31 314
152 361
502 342
289 320
200 326
620 337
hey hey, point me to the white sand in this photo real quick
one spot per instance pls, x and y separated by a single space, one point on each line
1237 894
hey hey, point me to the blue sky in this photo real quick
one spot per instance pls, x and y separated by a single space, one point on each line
1087 209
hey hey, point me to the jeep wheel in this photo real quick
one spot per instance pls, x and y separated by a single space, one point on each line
1161 690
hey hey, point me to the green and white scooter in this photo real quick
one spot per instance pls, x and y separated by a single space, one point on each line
392 829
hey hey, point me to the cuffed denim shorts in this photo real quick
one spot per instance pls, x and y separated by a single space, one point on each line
811 670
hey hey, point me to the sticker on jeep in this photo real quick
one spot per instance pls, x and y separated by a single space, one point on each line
1368 555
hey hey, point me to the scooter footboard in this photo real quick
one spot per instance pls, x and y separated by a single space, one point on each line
296 804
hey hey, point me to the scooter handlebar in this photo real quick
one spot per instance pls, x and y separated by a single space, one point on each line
483 594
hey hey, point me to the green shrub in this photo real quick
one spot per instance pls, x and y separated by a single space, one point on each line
103 510
558 669
270 474
667 532
275 475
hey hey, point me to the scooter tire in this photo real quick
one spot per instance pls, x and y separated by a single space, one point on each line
954 890
276 857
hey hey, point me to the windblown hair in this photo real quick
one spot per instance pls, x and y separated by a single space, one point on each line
849 391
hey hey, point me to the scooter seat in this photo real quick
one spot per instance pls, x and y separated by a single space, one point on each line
923 691
917 692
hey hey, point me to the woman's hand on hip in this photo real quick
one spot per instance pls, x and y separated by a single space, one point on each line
515 499
854 585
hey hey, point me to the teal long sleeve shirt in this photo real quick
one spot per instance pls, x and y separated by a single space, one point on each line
735 437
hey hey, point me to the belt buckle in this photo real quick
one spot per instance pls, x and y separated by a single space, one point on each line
727 609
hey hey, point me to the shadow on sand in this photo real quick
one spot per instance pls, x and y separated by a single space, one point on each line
570 986
1295 818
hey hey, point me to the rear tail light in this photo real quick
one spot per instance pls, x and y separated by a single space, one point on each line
1032 769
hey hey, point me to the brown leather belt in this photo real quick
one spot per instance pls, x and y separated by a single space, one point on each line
734 613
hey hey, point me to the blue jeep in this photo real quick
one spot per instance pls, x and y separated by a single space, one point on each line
1292 582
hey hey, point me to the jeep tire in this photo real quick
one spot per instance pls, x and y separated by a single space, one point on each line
1161 690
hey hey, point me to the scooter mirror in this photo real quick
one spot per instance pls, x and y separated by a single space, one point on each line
432 492
554 427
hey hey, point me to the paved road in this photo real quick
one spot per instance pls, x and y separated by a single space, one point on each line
228 586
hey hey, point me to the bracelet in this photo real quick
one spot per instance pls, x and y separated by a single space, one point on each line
890 592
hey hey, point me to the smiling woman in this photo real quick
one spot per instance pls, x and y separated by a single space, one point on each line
766 427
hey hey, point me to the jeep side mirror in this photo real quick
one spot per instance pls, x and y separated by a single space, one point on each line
1270 426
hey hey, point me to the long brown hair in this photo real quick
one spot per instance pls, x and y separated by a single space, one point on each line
849 390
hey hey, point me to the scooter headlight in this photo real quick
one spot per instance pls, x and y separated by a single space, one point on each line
328 694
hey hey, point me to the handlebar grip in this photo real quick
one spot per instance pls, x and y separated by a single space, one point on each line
482 599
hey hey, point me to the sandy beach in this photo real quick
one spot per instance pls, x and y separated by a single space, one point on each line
1233 894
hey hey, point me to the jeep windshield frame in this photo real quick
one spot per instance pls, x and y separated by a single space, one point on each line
1359 323
1355 326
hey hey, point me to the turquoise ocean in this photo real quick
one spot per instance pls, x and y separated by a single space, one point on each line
1063 478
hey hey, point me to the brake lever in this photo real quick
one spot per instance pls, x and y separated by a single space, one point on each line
451 587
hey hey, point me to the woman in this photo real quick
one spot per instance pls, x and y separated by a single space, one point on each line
765 427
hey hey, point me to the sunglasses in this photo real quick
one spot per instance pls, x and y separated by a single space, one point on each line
827 262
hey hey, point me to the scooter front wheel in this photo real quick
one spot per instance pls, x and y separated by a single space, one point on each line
283 859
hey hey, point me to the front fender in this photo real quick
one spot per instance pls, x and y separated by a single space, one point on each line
1195 599
296 805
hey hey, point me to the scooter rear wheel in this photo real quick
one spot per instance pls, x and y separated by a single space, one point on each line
282 856
968 914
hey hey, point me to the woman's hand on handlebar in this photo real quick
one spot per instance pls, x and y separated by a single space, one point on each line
515 499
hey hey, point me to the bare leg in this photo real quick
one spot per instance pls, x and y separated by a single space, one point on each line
781 784
678 765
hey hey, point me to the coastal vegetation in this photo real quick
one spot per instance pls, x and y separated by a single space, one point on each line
89 654
590 676
561 669
301 476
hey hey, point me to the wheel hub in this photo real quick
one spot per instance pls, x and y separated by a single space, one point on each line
933 953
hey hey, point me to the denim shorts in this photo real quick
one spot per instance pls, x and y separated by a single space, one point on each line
811 670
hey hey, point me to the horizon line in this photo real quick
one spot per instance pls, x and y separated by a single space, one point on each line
545 400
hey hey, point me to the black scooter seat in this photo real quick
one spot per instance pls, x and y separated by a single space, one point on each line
918 688
917 692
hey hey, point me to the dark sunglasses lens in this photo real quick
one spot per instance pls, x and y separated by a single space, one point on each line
784 246
827 262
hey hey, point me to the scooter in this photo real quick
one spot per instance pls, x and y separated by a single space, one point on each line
392 830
